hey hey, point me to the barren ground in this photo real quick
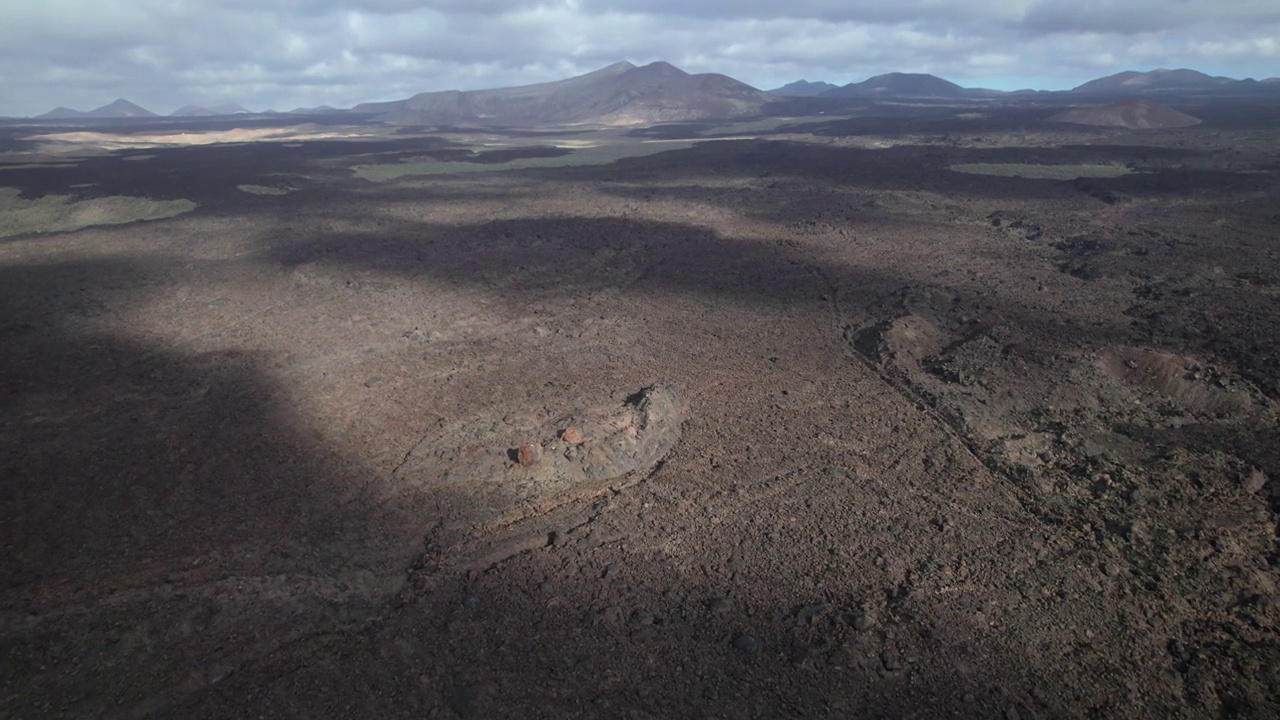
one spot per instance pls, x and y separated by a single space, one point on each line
824 428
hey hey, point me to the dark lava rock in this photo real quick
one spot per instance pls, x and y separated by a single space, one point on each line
891 661
809 613
462 699
747 644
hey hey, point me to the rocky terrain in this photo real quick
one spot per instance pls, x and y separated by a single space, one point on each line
796 422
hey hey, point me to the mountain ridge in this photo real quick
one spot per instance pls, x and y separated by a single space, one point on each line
210 110
117 109
802 88
618 94
1125 83
1135 81
624 93
899 85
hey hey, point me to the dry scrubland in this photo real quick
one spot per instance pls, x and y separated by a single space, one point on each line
956 417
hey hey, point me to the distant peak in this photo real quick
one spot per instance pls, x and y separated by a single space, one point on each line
663 66
615 69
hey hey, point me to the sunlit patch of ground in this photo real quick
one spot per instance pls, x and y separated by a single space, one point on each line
1032 171
587 155
122 141
34 166
62 213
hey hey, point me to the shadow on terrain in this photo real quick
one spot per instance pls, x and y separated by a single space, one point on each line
1258 447
533 259
921 168
174 522
854 116
166 514
182 537
209 175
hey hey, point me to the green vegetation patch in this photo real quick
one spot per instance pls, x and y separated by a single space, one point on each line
265 189
599 155
1033 171
33 166
63 213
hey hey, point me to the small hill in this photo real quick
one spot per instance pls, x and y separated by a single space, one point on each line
802 88
318 110
1132 114
60 113
214 111
899 85
620 94
120 109
1132 82
192 111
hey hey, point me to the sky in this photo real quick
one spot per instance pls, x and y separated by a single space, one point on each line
283 54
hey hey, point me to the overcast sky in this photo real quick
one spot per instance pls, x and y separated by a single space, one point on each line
263 54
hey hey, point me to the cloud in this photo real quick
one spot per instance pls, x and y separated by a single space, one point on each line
1145 16
166 53
832 11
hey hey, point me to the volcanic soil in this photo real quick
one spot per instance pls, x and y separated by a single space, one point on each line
806 424
1131 114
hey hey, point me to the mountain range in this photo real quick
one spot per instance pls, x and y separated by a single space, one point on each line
202 111
1128 83
121 108
620 94
317 110
627 94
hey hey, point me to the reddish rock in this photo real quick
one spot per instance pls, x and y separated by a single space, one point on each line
571 435
529 454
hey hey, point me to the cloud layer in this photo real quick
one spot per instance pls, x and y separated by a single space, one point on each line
167 53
